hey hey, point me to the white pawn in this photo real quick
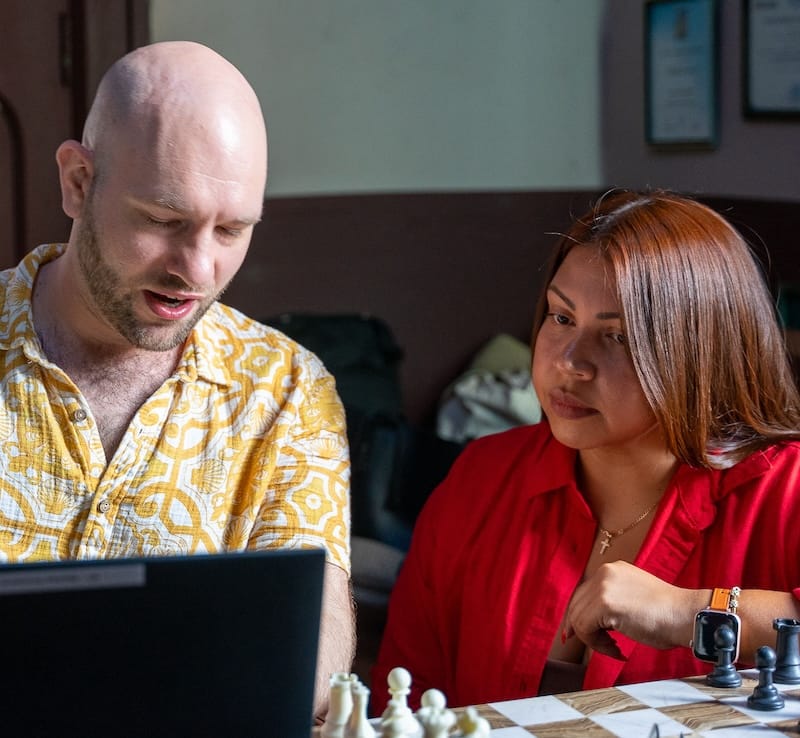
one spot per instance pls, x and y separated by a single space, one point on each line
397 716
341 705
433 715
395 727
359 726
473 725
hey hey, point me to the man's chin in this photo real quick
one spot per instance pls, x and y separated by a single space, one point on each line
159 338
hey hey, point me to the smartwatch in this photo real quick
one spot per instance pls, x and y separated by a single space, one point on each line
721 611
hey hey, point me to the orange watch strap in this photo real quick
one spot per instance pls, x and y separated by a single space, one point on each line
720 598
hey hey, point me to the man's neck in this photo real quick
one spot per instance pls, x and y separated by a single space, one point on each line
116 379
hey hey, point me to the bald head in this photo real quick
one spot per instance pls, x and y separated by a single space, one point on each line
164 192
159 95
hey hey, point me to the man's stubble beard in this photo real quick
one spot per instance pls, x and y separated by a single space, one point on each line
116 306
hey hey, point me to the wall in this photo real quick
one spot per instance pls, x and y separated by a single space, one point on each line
380 95
375 95
754 158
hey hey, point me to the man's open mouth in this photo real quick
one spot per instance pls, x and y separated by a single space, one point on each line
172 301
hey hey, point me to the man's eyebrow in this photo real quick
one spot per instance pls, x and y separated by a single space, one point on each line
613 315
164 202
170 202
177 205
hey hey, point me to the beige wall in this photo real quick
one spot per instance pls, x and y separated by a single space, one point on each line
402 95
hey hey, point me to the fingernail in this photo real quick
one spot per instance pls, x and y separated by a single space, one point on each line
563 637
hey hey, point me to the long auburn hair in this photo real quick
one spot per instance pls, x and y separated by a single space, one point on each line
700 323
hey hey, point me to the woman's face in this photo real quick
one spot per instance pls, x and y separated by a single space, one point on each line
582 370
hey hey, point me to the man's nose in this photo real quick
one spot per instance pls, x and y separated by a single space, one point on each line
192 259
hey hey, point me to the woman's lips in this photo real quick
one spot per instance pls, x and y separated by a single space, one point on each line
566 406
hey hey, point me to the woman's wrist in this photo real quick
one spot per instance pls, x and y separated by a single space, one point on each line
692 602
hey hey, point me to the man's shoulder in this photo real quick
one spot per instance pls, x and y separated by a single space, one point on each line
16 285
226 319
248 340
20 277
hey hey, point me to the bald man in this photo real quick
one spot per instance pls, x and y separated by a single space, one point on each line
140 415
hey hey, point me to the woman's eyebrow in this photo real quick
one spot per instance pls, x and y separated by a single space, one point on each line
613 315
566 299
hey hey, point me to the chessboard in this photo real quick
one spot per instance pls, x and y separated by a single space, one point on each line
679 707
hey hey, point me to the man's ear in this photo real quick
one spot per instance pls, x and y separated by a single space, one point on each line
75 170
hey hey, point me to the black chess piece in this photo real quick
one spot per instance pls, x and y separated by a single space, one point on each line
787 651
724 673
765 695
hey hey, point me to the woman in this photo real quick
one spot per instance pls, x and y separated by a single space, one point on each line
576 553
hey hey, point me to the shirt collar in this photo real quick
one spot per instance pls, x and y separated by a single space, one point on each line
202 357
699 490
16 311
552 467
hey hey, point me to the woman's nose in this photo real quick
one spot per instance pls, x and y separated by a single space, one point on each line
575 357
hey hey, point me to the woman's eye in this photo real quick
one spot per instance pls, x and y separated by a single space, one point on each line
559 318
618 338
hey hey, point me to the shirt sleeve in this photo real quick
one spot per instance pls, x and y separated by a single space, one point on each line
308 468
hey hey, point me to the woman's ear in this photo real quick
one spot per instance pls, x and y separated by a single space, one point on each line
75 171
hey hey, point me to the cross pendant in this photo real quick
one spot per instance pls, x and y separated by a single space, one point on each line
606 542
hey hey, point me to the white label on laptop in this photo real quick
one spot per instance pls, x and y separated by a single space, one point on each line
108 576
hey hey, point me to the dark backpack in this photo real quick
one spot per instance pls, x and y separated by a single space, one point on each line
394 465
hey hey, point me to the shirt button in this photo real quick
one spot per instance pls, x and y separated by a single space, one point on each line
104 506
79 415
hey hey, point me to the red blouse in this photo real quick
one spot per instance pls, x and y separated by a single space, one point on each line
504 540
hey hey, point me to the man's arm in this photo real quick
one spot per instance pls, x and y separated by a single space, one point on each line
337 636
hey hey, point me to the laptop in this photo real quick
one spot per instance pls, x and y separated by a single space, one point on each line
216 645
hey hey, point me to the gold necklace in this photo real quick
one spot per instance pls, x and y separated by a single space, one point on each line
606 536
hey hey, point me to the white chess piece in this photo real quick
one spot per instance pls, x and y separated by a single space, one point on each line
359 726
340 704
433 715
395 727
398 716
473 725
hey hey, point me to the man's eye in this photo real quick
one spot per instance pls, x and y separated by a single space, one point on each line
158 223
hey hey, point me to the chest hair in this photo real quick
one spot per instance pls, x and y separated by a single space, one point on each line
115 391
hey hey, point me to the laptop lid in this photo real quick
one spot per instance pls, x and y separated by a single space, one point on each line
217 645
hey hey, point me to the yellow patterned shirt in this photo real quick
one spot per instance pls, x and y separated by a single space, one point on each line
243 447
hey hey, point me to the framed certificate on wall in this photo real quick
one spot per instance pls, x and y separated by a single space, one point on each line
771 37
682 73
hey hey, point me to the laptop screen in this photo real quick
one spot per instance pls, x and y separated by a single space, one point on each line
216 645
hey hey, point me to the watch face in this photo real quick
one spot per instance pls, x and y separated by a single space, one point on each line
706 623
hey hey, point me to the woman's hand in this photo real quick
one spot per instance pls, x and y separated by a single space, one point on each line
622 597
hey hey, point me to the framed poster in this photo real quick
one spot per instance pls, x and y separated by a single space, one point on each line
682 73
771 37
